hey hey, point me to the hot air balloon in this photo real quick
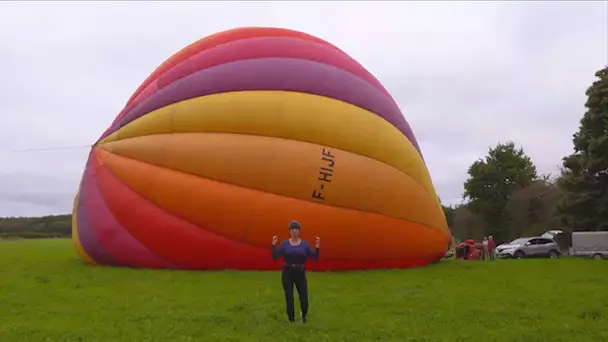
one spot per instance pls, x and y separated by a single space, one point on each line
241 132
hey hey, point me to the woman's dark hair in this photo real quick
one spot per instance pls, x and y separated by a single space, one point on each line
294 225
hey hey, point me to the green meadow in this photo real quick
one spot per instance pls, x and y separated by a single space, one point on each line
47 294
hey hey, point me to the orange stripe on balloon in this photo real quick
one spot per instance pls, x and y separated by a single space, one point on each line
252 216
290 168
191 247
174 239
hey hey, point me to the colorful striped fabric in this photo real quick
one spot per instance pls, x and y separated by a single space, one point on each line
238 134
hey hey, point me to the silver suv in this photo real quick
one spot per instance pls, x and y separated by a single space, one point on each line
529 247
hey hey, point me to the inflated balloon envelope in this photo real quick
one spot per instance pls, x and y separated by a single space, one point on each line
238 134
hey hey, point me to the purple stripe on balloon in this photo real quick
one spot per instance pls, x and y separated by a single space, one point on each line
265 47
122 247
286 74
85 230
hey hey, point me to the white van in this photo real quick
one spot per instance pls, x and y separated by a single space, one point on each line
590 244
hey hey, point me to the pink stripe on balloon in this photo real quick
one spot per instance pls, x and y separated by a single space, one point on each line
86 235
114 239
260 47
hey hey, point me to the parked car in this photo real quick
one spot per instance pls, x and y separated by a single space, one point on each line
529 247
590 244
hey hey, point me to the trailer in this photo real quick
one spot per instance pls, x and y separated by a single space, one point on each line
590 244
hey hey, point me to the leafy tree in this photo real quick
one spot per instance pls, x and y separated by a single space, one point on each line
466 224
492 181
584 180
531 210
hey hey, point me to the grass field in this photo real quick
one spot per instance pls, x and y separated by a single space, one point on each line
47 294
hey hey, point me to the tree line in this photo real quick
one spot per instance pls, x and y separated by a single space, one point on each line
36 227
504 196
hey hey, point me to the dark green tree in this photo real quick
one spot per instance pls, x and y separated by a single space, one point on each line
449 213
491 182
584 179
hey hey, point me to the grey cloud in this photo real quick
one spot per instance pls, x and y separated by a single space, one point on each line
40 182
466 75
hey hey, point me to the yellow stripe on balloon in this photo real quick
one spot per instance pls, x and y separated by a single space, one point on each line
75 238
288 115
289 168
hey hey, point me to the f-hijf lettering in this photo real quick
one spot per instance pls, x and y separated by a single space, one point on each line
326 171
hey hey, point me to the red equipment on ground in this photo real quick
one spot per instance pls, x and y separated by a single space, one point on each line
469 250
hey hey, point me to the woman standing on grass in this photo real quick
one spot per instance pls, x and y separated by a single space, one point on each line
295 251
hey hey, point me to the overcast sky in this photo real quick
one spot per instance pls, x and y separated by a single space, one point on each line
466 76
